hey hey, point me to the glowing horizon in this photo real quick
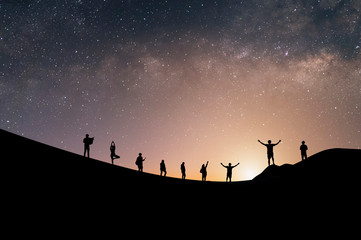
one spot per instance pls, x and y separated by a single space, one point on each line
184 80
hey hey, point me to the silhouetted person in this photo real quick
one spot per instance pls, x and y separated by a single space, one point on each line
87 142
303 149
229 171
183 170
139 162
204 172
270 150
162 168
112 152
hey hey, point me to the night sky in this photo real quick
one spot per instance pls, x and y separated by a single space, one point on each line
191 81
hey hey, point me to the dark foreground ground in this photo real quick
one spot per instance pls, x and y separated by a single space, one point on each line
65 191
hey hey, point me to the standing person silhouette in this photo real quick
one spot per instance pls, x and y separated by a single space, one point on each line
112 152
183 170
87 142
139 162
204 172
303 149
229 171
162 168
270 150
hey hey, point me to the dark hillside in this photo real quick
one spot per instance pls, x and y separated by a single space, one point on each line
332 165
40 167
44 169
44 180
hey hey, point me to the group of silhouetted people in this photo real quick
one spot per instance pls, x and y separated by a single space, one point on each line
163 172
270 146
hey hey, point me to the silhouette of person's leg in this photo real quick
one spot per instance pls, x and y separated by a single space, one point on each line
86 151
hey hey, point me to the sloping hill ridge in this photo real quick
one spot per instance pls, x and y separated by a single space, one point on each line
59 187
332 165
41 169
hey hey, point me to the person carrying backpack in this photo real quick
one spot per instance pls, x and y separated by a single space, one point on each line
139 162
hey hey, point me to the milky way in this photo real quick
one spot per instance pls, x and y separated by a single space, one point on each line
190 81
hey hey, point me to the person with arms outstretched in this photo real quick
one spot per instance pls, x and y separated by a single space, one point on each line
303 149
270 146
112 152
183 170
204 172
162 168
229 171
139 162
87 142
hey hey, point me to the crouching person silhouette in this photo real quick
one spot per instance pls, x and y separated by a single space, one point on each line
229 171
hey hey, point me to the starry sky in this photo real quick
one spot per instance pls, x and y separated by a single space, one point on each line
191 81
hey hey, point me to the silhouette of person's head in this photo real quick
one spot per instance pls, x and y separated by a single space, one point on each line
86 135
229 164
140 154
269 141
162 161
303 142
